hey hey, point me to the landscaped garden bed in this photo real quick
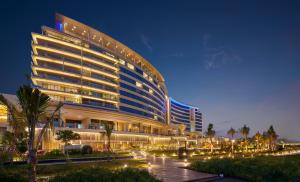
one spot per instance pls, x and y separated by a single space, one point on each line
18 173
258 169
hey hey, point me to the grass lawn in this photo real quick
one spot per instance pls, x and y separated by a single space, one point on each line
258 169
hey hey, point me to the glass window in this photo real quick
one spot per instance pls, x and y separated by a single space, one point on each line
150 91
145 75
139 71
122 61
138 84
130 66
150 79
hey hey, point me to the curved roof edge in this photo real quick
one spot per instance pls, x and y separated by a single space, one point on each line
183 104
128 53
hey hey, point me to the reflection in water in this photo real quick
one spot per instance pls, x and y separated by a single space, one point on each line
163 161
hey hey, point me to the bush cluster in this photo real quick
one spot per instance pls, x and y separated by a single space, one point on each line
87 149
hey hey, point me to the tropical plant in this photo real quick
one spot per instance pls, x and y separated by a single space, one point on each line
265 139
66 136
231 132
33 112
181 129
9 143
14 141
258 139
210 133
272 137
108 127
245 132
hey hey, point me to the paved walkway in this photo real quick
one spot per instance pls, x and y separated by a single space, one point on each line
170 170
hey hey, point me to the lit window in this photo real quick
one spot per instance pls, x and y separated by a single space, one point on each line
122 62
145 75
158 86
150 91
155 117
138 84
130 66
150 79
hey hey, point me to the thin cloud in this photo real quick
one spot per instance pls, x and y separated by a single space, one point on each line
146 41
218 56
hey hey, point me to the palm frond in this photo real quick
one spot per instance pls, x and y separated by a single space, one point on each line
48 124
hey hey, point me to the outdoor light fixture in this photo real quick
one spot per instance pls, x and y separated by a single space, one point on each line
125 165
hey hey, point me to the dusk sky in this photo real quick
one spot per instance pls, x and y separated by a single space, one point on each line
238 61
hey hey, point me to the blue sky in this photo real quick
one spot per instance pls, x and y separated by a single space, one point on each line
238 61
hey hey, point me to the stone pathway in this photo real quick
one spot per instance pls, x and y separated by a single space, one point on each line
170 170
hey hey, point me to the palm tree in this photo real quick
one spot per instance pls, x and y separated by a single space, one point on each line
33 110
245 132
66 136
272 137
108 127
265 139
210 133
258 138
181 129
231 132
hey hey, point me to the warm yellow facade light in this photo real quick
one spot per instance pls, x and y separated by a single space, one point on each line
73 85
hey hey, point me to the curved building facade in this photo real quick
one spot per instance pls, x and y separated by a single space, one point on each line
187 115
99 78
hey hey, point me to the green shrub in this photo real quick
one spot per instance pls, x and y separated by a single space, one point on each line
104 175
22 146
87 149
182 153
9 176
73 151
4 157
259 169
53 154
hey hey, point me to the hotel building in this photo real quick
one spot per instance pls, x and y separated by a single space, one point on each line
98 79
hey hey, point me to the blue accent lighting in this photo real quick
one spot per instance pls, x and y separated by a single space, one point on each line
59 26
184 105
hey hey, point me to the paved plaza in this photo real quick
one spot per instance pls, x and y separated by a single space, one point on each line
173 171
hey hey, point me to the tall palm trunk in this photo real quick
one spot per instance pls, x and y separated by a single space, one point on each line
246 142
108 143
32 156
211 145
